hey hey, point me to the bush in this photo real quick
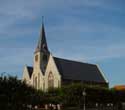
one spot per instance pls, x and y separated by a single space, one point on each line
16 95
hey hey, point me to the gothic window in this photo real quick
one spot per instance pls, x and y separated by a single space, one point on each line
43 85
50 80
36 58
36 82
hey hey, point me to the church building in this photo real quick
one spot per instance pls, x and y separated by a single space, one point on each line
49 71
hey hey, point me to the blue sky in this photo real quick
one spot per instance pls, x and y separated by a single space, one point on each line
85 30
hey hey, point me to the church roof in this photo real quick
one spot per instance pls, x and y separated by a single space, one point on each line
73 70
30 71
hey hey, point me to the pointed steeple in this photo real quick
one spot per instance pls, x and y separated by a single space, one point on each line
42 43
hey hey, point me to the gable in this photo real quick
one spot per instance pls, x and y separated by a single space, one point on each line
30 70
73 70
51 66
27 74
52 71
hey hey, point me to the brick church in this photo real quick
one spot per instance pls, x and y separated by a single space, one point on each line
49 71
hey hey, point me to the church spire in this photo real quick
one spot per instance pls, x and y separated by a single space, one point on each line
42 43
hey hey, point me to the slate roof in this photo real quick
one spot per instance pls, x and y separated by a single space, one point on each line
73 70
30 70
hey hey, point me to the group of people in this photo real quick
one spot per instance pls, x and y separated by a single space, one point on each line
53 106
46 107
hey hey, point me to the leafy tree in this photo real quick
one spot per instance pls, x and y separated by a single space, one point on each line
16 95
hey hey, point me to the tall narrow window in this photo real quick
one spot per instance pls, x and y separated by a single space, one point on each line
50 80
43 85
36 58
36 82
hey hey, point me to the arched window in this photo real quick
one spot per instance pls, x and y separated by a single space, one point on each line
36 82
36 58
50 80
43 85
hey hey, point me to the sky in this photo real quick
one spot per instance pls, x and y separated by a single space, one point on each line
91 31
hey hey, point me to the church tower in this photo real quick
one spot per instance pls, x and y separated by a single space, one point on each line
41 53
40 61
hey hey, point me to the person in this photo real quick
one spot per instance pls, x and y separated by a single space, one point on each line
46 107
36 107
54 107
50 106
58 107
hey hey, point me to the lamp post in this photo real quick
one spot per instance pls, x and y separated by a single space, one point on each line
84 94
